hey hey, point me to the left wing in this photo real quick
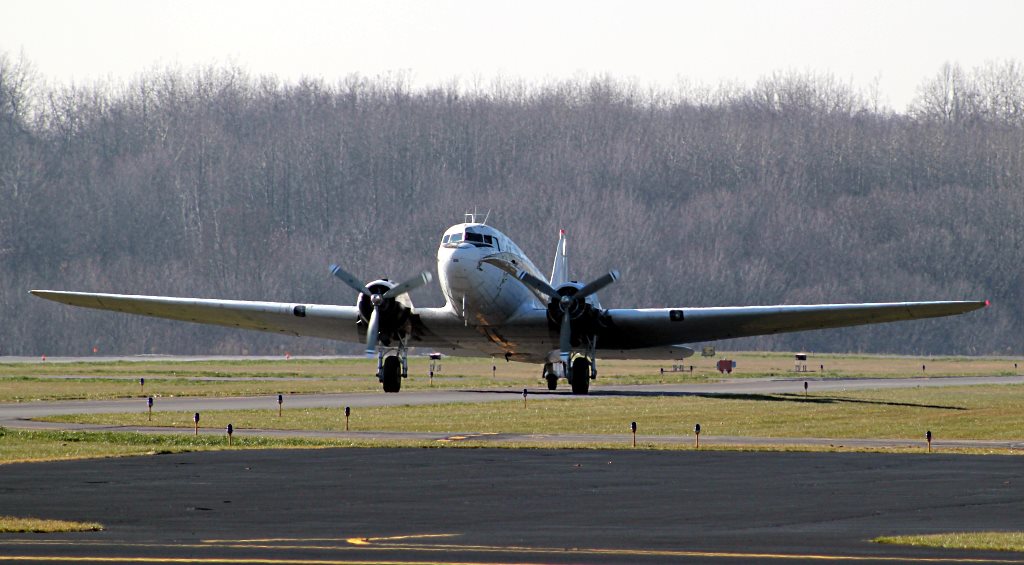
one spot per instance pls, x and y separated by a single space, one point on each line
638 328
315 320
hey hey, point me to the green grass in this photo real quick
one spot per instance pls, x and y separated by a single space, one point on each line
21 446
23 382
12 524
975 412
993 541
979 412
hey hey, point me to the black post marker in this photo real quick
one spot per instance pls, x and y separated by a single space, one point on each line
231 430
348 411
928 437
280 401
196 420
632 426
149 402
696 433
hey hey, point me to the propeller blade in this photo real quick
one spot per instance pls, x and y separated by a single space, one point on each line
565 337
537 284
596 285
372 334
411 284
351 281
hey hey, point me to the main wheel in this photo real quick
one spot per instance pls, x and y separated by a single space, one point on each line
580 376
391 374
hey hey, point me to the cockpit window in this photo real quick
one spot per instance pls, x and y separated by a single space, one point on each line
456 237
479 239
444 239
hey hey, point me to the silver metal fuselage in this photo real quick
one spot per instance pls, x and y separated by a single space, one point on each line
480 293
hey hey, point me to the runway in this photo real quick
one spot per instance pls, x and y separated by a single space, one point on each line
505 506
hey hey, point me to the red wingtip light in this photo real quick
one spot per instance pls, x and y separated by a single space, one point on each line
561 232
988 303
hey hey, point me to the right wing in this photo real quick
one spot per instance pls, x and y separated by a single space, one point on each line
663 326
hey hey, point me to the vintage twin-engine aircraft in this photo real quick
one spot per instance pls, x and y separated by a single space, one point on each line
499 304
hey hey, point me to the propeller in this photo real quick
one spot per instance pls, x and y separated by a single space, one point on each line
566 302
373 329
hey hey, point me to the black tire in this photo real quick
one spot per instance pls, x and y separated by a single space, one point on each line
552 382
391 374
580 376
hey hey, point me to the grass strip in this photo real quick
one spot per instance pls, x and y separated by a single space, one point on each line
28 446
991 541
13 524
20 382
17 446
993 412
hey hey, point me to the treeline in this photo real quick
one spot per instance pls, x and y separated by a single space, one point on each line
798 189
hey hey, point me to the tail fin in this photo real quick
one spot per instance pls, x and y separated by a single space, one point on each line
560 268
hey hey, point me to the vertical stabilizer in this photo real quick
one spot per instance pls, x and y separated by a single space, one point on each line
560 268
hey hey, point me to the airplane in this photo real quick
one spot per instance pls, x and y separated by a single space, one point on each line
499 304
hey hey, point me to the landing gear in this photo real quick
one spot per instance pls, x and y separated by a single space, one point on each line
394 367
580 375
551 375
391 374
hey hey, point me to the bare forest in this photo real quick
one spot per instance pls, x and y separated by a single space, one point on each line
797 189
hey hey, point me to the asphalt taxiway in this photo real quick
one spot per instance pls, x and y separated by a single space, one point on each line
504 506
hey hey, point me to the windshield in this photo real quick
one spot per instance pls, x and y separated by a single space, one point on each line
476 238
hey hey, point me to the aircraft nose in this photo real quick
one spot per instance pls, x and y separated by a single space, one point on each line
463 259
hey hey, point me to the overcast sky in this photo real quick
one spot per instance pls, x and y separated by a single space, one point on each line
899 43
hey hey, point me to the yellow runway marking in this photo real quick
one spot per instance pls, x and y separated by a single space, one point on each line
349 540
467 436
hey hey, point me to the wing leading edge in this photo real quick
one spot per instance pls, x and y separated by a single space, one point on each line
662 326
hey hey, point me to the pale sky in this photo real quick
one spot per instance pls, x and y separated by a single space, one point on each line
897 43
